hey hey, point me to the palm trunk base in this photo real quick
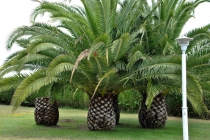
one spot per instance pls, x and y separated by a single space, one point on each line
45 113
101 114
156 116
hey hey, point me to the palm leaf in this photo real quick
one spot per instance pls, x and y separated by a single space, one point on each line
29 85
80 57
107 75
60 64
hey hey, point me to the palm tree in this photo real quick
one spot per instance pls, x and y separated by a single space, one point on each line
99 31
96 23
198 58
154 78
34 57
102 80
156 65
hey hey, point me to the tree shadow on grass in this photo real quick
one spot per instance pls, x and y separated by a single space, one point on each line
71 124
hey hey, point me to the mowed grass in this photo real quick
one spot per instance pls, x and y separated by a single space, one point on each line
72 126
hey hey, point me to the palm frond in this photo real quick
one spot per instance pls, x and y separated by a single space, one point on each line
106 76
12 82
29 85
60 64
80 57
119 47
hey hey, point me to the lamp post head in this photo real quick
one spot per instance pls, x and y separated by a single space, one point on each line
184 42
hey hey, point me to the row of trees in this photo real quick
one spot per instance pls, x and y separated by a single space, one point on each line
129 101
106 47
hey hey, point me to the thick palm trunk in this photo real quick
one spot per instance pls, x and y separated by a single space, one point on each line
156 116
116 108
101 114
45 112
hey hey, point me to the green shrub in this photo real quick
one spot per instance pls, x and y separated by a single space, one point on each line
66 96
5 97
174 106
206 97
129 101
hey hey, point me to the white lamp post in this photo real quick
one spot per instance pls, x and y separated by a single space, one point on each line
184 42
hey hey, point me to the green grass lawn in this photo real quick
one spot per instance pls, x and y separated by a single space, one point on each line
72 125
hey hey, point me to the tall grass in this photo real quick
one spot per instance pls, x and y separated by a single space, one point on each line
72 125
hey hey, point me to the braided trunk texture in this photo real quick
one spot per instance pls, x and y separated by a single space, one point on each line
101 114
156 116
45 112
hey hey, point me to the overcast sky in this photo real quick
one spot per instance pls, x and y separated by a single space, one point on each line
15 13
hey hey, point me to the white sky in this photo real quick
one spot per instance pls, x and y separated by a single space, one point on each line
15 13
